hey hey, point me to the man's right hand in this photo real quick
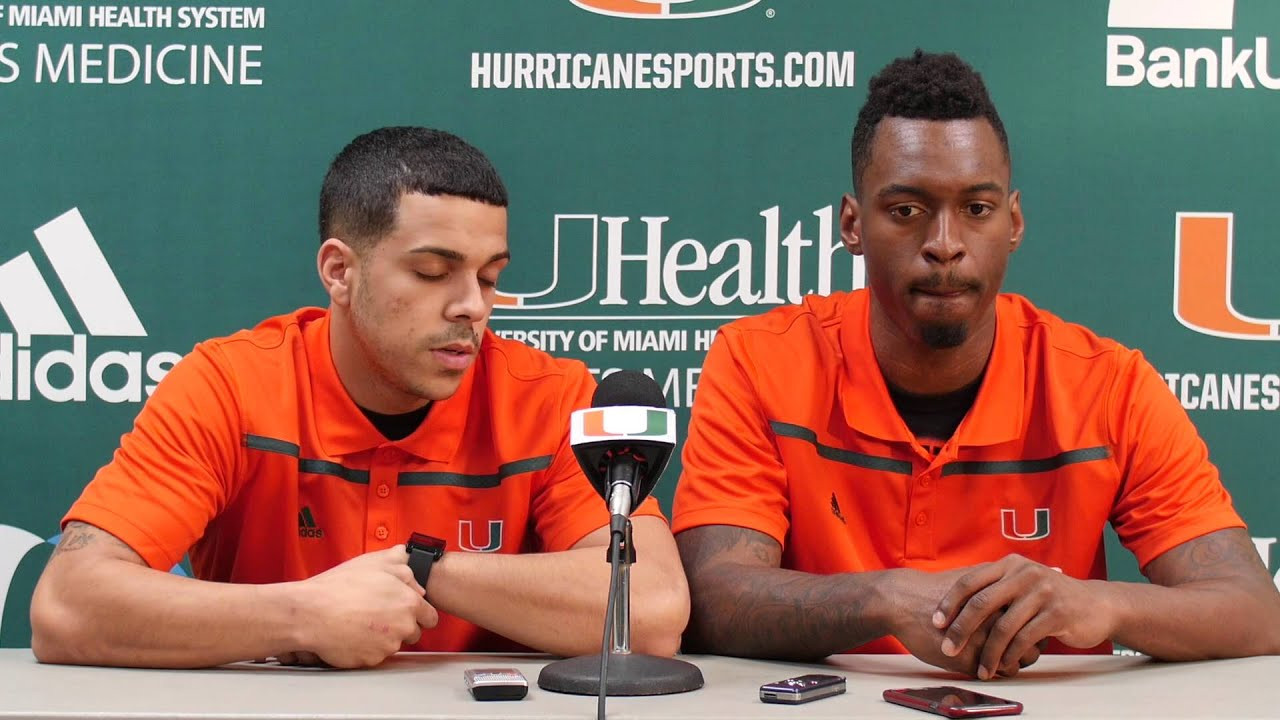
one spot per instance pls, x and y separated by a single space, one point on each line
361 612
915 595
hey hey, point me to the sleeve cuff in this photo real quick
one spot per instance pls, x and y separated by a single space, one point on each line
152 552
1147 550
735 517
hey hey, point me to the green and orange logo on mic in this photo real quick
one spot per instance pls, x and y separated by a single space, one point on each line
622 422
609 423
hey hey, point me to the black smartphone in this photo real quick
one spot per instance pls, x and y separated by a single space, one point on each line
953 702
801 689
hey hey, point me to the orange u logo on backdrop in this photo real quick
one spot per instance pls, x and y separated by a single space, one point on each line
664 9
1202 280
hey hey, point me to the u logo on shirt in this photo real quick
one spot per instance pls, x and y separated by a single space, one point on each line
467 536
1009 525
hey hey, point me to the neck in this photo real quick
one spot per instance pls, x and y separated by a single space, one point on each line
364 384
909 364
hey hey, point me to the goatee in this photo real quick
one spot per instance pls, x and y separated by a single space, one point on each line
941 337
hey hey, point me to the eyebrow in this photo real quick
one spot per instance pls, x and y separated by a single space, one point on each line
984 187
898 189
456 256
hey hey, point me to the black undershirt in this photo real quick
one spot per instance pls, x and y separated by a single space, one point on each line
397 427
933 419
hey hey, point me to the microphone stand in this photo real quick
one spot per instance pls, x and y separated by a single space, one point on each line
621 554
625 673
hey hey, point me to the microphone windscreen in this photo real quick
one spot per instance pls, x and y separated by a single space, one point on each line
628 387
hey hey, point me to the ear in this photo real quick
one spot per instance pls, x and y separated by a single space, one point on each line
851 224
1015 215
338 265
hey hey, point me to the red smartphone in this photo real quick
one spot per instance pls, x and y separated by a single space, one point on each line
953 702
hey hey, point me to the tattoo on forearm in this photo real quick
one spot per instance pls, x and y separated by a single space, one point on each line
743 604
78 535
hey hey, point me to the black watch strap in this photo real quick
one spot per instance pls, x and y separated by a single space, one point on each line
424 551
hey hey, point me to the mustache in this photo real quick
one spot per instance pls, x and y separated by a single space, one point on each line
455 333
950 281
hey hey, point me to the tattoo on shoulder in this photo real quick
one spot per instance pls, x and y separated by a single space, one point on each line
79 535
1218 554
704 546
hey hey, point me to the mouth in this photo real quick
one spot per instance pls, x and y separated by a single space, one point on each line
455 356
943 299
942 292
459 348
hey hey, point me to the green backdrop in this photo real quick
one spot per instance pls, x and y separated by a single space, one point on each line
671 166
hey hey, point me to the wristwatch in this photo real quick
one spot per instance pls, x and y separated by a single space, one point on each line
424 551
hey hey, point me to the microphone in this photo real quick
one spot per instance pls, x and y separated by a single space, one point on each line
624 441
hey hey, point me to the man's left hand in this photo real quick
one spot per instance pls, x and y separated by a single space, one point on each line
1033 602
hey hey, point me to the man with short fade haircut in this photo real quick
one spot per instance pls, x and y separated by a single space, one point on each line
927 465
295 459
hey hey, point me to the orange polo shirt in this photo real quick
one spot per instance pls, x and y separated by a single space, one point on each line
251 455
794 435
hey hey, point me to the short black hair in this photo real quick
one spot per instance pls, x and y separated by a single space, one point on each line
924 86
364 184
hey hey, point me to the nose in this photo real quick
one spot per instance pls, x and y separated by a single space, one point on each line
470 302
943 244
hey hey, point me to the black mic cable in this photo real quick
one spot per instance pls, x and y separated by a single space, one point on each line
617 538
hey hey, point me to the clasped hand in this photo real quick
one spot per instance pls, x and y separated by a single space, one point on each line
994 618
360 612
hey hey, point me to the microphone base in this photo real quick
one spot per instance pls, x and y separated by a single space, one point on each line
629 675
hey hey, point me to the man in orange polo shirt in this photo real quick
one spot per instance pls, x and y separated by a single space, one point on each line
927 465
292 461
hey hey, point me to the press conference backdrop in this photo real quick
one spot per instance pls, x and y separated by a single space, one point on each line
672 166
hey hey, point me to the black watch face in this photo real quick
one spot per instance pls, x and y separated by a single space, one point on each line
425 542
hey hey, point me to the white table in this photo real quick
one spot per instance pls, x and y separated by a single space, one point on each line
430 686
